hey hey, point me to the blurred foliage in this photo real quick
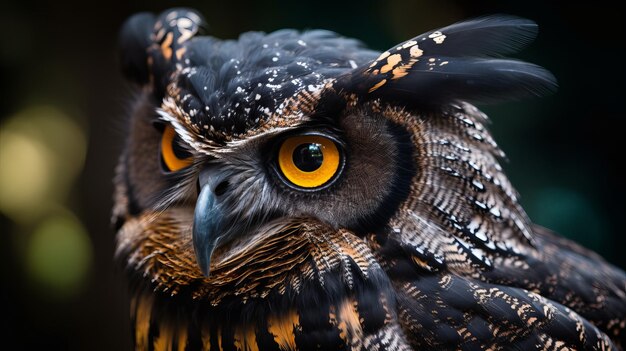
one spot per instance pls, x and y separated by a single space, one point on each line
59 75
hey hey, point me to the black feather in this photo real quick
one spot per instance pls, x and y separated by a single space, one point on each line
232 86
482 36
454 63
149 45
134 40
470 79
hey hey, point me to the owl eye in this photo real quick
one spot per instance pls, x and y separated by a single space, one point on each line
174 156
309 161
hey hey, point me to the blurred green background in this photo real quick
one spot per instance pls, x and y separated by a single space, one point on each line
62 126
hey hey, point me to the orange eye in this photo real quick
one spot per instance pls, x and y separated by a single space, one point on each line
308 161
174 156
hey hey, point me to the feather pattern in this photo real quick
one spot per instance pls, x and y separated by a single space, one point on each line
483 36
433 80
419 242
452 63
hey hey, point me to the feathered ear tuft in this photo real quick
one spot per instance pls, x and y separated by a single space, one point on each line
483 36
151 47
134 40
455 62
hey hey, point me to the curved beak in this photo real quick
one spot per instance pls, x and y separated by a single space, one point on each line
207 220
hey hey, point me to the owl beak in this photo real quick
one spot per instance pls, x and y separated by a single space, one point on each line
206 221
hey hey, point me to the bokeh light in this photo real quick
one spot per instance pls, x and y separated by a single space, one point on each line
59 255
42 150
24 174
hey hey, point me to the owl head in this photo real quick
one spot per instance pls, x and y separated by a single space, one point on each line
238 149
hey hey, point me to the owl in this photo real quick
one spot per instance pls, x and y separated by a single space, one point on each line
298 191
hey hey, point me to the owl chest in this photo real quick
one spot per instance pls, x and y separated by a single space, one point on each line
314 318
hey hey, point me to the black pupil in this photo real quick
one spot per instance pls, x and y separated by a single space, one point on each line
308 157
178 150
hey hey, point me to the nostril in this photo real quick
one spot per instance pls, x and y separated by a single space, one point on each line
221 188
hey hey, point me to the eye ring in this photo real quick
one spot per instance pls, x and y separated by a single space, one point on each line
173 156
309 162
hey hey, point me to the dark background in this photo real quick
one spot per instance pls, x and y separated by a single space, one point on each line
64 292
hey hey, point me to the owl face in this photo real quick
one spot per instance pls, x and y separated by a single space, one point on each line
233 143
342 169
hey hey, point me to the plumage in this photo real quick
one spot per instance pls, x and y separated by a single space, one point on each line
295 191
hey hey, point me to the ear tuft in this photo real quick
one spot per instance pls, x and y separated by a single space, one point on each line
134 41
152 46
458 62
